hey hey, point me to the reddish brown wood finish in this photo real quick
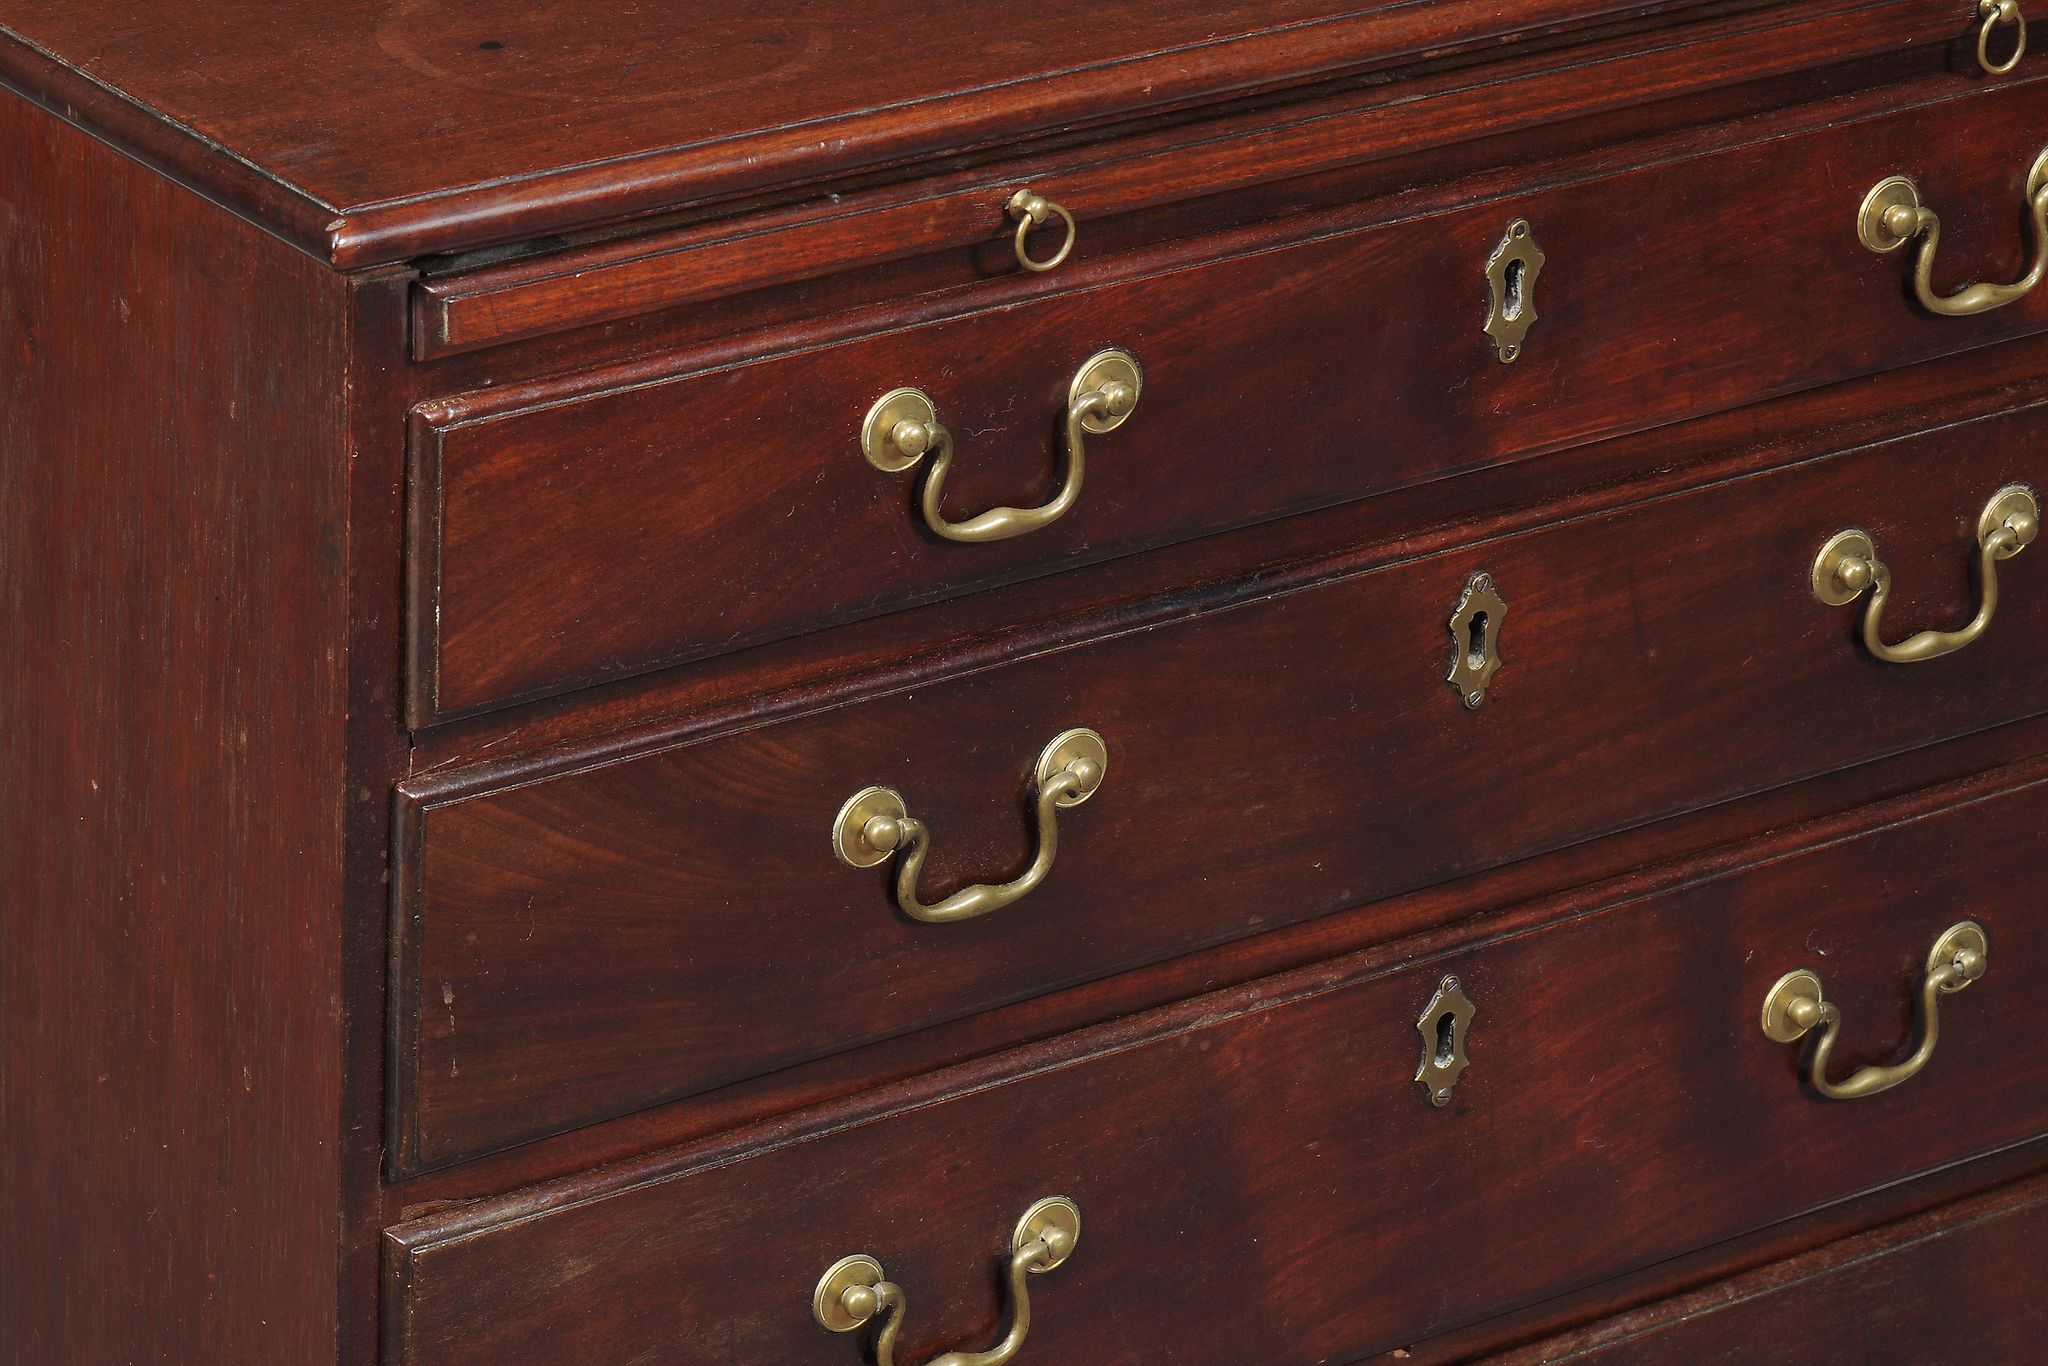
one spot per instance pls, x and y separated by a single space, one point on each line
173 544
202 451
1621 1098
590 940
568 533
531 120
1960 1284
1625 863
962 214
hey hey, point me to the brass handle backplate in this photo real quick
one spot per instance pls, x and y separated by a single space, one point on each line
1892 215
903 429
855 1290
874 824
1996 14
1847 567
1796 1004
1034 210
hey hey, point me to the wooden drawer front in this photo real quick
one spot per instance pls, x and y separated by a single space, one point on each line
957 220
590 941
560 539
1962 1284
1261 1179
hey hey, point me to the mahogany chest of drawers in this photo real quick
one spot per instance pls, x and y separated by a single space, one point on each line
817 684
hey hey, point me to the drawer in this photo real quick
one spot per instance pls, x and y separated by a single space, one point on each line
1937 1289
564 533
596 934
1223 168
1258 1175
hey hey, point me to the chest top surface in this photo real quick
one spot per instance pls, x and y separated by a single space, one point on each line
375 130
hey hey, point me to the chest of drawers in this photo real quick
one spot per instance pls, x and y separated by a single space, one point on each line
1239 685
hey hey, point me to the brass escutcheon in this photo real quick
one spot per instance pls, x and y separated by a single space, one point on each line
1475 639
1511 273
1442 1026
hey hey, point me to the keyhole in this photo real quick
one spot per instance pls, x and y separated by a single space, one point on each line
1475 647
1511 307
1446 1039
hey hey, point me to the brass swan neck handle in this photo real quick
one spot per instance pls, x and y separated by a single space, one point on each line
855 1290
874 825
1847 567
1892 215
1796 1004
903 430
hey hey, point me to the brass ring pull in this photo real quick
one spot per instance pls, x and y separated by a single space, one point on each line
854 1291
1892 215
1847 567
903 428
1997 14
1034 210
873 825
1796 1004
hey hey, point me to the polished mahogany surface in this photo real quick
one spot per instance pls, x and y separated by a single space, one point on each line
174 527
1856 1302
380 129
1281 377
1621 1105
424 703
1302 749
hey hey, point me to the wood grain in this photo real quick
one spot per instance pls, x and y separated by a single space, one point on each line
1621 1100
1624 864
568 533
529 120
961 215
595 936
1949 1285
173 552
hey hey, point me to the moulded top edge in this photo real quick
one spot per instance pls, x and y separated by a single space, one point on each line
375 131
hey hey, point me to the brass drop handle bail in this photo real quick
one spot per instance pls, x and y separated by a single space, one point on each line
1796 1004
855 1291
873 825
903 430
1847 567
1997 14
1033 210
1892 215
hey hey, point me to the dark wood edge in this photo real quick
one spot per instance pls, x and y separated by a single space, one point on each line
378 754
407 903
1101 97
614 280
182 154
1405 954
501 771
424 499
